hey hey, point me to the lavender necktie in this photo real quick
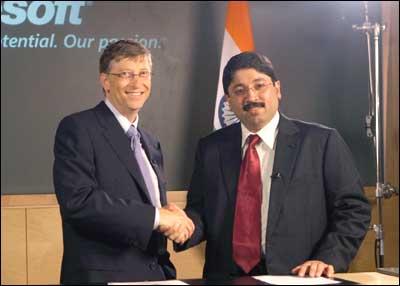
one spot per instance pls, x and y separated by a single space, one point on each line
136 146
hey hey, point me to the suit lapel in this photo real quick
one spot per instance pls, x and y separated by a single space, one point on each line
115 136
287 148
231 158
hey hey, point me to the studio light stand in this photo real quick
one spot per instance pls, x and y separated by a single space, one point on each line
374 117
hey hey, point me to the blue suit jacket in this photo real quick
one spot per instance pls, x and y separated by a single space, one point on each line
317 208
107 216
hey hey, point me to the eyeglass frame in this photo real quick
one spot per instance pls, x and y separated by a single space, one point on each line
246 89
131 75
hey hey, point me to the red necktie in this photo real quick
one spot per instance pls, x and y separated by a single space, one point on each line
247 223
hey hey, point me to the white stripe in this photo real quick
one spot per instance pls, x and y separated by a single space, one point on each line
229 49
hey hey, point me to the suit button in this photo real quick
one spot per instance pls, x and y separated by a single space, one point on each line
134 243
153 266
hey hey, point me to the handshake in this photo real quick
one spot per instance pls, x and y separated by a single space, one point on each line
175 224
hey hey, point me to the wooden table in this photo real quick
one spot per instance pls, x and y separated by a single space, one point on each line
369 278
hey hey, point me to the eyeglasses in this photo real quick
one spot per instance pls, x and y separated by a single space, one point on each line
258 87
131 75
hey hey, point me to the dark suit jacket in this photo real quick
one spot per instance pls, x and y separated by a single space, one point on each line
107 216
317 208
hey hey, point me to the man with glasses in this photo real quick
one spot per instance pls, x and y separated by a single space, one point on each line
109 182
273 195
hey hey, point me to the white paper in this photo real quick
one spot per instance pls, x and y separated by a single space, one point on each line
164 282
295 280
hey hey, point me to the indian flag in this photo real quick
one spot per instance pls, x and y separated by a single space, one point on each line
238 37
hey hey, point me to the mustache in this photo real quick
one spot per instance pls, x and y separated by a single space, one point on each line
251 104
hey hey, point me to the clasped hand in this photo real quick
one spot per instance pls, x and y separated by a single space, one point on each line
175 224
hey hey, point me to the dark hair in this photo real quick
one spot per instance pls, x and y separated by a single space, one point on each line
119 50
247 60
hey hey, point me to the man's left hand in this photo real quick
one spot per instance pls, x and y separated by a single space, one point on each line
314 268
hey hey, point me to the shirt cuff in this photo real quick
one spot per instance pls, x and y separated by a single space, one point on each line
156 219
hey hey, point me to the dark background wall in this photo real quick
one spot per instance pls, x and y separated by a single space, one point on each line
320 60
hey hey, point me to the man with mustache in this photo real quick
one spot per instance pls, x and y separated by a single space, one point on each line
273 195
109 181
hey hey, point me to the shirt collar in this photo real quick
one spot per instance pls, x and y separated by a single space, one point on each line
123 121
267 133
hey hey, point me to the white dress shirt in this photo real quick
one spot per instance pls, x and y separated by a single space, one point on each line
126 124
266 153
